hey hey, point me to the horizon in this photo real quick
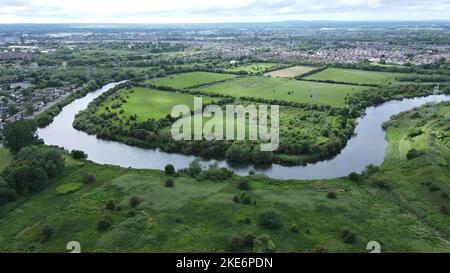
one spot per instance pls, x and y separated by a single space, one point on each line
204 11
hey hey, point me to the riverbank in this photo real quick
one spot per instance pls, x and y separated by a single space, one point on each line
390 204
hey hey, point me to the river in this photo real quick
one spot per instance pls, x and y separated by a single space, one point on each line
366 147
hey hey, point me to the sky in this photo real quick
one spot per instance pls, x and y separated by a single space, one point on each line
210 11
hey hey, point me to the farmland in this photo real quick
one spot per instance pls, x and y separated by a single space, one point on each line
290 72
284 89
146 103
354 76
186 80
255 68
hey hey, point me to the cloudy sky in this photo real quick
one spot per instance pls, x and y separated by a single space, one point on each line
201 11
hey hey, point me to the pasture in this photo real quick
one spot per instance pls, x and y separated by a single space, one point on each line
255 68
190 79
284 89
147 103
290 72
354 76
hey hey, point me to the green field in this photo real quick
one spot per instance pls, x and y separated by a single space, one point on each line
354 76
393 206
5 158
147 103
190 79
255 68
290 72
279 89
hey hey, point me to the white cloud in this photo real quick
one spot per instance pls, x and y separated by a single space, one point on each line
153 11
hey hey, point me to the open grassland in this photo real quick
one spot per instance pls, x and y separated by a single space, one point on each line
290 72
146 103
394 205
255 68
5 158
190 79
354 76
284 89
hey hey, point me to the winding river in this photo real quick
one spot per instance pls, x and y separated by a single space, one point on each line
366 147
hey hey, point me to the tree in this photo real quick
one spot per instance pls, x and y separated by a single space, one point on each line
20 134
235 243
263 244
354 177
269 220
104 223
134 201
76 154
169 183
89 179
169 169
7 194
244 185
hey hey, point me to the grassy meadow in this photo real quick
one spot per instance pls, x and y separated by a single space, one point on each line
190 79
402 214
254 68
354 76
284 89
147 103
5 158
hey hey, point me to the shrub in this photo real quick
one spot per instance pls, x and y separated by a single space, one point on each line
251 172
413 153
135 201
348 236
248 240
331 195
47 232
263 244
434 188
247 221
246 198
169 169
110 205
294 228
76 154
269 220
131 214
236 199
169 183
104 223
444 195
244 185
89 179
235 243
354 177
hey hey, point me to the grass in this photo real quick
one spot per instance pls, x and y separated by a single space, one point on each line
279 89
68 188
290 72
147 103
354 76
190 79
5 158
200 216
255 68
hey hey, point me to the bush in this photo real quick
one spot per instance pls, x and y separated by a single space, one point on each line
263 244
248 240
348 236
269 220
236 199
235 243
247 221
76 154
354 177
244 185
110 205
89 179
331 195
246 198
169 183
131 214
169 169
104 223
294 228
320 249
434 188
47 232
413 153
445 210
135 201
